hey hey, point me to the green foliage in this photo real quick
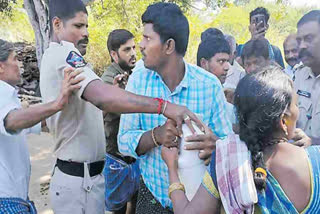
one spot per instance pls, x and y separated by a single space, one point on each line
6 6
107 15
234 20
231 19
15 26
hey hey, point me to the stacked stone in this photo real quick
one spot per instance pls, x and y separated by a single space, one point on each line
29 87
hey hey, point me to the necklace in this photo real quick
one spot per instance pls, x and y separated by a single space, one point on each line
277 141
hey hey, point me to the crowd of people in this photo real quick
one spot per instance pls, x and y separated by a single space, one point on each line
117 137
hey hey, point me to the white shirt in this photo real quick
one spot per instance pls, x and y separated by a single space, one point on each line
14 154
235 74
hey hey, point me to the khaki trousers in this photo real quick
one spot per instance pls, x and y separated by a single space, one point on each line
77 195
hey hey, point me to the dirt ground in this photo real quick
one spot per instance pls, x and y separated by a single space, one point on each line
42 161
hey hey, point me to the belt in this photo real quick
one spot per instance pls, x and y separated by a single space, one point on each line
129 160
77 169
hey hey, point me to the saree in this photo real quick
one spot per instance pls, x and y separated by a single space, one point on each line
274 200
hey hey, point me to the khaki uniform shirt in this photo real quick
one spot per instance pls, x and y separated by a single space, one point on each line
112 120
235 74
78 128
308 89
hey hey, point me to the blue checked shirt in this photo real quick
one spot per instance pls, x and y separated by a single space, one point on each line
199 90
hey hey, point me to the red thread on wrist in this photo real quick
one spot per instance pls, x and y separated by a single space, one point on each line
160 104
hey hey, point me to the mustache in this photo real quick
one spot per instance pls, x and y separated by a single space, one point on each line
304 53
132 58
83 41
292 59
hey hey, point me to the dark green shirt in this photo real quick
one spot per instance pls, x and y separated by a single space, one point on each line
112 120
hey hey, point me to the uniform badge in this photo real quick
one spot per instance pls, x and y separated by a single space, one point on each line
304 93
75 60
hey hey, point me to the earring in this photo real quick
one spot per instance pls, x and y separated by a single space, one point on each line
285 127
286 132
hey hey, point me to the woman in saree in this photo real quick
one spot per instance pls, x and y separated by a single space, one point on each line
284 177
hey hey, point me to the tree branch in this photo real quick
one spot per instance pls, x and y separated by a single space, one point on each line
124 10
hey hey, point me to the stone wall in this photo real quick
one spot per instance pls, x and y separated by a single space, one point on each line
29 88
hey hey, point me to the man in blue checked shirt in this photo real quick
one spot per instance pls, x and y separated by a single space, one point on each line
166 75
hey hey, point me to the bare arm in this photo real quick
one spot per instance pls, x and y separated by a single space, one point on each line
145 143
202 202
109 98
25 118
166 135
113 99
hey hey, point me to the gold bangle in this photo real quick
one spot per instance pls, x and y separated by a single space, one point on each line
175 186
261 170
164 108
153 137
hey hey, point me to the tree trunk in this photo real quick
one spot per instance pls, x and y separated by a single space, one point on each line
38 16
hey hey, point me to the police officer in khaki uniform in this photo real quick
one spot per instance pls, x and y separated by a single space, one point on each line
307 79
122 182
307 86
77 185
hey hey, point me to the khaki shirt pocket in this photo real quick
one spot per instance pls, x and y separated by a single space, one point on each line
304 108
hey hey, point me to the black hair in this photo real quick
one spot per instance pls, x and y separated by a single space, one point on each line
65 10
313 15
170 23
260 10
256 48
117 38
211 32
210 47
6 48
261 98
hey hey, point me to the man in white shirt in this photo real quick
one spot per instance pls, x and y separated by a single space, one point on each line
15 123
236 72
291 54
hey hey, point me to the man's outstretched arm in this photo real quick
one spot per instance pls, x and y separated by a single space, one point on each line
113 99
